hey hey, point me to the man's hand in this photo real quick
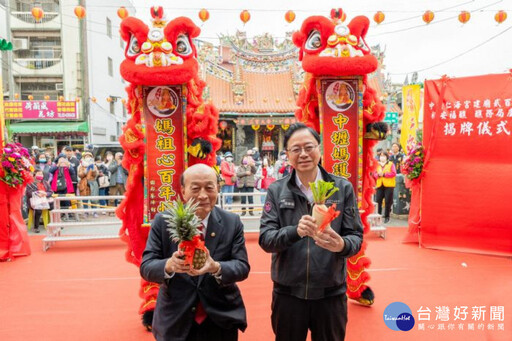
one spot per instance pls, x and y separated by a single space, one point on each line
176 264
330 240
210 266
307 226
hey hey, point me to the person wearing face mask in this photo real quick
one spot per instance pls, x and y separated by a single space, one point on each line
40 188
228 173
281 161
386 181
44 165
246 181
88 174
103 179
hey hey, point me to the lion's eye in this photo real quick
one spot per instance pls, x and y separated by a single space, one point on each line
183 45
314 41
133 47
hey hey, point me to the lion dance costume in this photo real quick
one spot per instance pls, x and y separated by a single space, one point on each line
160 55
330 49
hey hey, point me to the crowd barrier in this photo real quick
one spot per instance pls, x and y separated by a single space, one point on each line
81 205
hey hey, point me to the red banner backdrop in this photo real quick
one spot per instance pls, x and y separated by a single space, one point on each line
165 160
466 198
341 128
36 110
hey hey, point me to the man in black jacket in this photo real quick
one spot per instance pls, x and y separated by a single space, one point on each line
205 304
308 268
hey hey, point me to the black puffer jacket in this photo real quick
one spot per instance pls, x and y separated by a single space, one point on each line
299 267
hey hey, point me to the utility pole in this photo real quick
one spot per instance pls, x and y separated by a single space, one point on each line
84 71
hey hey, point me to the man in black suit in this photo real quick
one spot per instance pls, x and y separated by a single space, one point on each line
204 304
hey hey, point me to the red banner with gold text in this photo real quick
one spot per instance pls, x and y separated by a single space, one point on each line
465 204
341 128
165 161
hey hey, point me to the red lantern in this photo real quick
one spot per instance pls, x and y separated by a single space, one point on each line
123 101
16 95
428 16
245 16
379 17
464 17
500 16
270 126
109 99
37 13
61 98
30 97
46 97
204 15
80 12
122 12
223 125
289 16
93 99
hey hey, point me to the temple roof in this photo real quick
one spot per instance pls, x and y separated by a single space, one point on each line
264 92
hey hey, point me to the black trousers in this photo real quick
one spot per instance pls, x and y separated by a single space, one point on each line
209 331
37 218
292 317
247 197
385 193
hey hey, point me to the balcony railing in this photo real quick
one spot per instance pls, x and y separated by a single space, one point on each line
29 19
37 63
39 54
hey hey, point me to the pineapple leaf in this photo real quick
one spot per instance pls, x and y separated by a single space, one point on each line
182 222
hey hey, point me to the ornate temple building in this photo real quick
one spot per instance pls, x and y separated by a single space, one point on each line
254 84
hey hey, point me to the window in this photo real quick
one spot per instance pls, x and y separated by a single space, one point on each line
110 67
109 28
112 108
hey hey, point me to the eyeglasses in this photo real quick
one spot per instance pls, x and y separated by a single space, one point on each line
308 149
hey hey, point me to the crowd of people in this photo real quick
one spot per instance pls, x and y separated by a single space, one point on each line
253 173
73 172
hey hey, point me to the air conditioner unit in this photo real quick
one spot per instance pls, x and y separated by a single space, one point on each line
59 86
20 44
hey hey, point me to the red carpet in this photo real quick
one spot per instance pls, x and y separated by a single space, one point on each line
86 291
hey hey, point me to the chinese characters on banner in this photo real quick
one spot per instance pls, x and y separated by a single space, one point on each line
411 95
461 318
341 128
37 110
465 203
164 120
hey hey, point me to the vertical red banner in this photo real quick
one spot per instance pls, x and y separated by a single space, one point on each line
165 160
465 197
341 128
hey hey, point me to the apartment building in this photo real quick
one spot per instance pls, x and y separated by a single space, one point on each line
66 65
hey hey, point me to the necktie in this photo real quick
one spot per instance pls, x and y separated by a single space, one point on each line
200 312
201 230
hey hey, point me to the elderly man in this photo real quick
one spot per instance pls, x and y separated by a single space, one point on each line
202 304
308 267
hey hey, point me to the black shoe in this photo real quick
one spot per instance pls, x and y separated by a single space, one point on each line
243 213
36 230
386 220
251 213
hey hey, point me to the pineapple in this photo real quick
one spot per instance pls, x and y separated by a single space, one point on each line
183 225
